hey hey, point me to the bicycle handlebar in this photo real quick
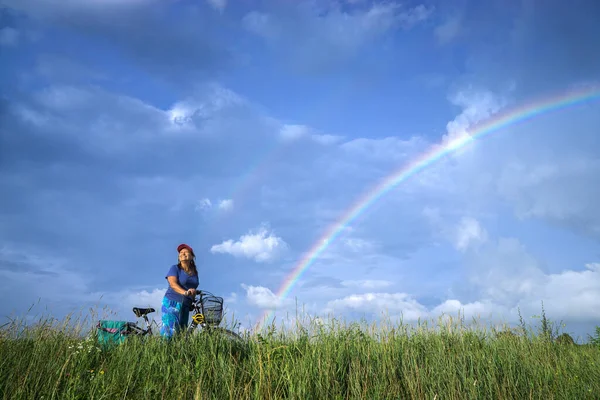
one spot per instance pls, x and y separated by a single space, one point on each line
202 293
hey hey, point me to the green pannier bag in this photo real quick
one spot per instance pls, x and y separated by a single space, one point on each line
112 332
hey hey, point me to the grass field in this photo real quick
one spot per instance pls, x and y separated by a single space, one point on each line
334 361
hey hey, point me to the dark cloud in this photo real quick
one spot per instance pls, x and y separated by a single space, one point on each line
539 45
318 37
115 185
58 67
25 267
143 31
63 126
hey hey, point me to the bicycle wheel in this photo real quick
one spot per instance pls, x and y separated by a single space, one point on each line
225 333
229 342
222 333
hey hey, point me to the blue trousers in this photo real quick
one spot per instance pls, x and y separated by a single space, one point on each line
175 317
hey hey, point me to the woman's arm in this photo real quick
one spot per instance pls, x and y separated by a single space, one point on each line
174 283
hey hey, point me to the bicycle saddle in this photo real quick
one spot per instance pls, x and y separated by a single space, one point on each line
140 312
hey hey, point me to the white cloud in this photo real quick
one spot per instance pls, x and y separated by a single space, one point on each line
465 234
377 303
226 204
500 278
194 113
369 284
262 297
563 191
291 132
294 132
261 246
506 274
144 299
532 167
9 36
124 301
206 204
477 105
569 296
358 245
203 204
452 308
447 177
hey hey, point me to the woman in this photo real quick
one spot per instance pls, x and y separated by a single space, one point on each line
183 281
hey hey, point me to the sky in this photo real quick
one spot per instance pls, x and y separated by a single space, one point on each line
248 129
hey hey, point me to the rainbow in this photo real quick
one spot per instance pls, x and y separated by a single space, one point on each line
436 153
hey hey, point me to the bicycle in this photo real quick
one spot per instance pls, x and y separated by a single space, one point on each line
207 314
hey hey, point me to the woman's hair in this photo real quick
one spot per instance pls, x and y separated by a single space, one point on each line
192 264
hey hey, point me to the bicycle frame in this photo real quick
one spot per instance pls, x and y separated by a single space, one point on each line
135 328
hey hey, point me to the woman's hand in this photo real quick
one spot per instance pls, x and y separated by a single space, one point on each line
190 292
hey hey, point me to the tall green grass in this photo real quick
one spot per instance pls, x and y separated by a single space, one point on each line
336 360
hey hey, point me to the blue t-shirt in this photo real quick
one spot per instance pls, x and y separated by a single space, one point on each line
185 281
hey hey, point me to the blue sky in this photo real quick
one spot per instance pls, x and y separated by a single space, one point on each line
247 128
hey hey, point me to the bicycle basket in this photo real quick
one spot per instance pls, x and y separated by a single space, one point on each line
212 308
